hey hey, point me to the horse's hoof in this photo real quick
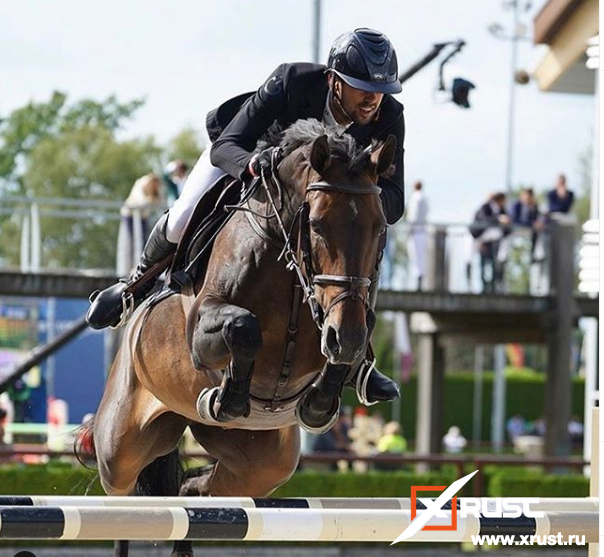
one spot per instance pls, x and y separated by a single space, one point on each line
318 413
182 554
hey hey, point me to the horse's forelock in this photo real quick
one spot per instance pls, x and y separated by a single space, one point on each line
343 146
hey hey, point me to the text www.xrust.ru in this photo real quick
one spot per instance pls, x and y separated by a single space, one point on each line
534 539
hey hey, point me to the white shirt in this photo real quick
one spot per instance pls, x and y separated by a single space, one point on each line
417 211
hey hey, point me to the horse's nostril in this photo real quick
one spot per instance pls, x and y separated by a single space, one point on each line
332 342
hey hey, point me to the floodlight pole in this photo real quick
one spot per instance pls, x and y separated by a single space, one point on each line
316 41
512 103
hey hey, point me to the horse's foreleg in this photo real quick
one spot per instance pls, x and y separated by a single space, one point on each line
226 336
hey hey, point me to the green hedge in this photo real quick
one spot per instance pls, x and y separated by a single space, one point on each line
63 479
529 483
524 395
350 484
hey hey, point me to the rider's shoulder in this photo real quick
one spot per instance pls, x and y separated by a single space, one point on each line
300 73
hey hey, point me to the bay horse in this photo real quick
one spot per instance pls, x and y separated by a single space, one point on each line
259 370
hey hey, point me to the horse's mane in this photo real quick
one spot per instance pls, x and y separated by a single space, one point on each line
303 132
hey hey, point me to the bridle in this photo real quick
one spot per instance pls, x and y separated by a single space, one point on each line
299 260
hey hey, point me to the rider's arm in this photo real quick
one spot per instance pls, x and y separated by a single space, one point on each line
233 150
393 187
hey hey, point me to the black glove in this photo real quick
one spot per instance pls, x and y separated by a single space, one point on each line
262 162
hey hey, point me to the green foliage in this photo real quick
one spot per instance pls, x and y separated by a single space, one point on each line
67 479
350 484
532 483
23 130
57 149
186 146
89 163
50 479
525 396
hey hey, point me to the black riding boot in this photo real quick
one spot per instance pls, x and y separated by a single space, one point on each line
107 307
371 385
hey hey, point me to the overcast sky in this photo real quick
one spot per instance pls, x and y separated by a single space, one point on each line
187 56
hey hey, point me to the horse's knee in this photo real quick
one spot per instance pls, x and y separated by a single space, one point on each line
242 334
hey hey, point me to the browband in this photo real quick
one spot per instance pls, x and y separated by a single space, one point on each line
343 188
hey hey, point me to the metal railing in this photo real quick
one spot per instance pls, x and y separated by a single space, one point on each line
50 234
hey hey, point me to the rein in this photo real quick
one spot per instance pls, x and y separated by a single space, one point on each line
300 260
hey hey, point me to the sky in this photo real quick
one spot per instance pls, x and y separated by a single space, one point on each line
185 57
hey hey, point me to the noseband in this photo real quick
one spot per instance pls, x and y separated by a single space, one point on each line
300 260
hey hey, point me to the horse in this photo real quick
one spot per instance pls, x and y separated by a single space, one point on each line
262 361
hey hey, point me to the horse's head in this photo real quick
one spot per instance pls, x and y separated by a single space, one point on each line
341 224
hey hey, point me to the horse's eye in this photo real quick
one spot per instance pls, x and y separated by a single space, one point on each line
315 225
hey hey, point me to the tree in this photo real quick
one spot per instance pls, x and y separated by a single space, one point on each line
23 129
186 146
56 150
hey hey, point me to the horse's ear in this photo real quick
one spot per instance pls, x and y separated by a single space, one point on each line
320 154
383 156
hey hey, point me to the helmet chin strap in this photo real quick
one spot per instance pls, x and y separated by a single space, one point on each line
337 103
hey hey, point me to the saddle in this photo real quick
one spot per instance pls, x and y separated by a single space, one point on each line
207 220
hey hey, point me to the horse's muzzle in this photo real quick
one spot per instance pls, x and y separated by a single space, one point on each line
343 345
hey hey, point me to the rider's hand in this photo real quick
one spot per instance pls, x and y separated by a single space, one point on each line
262 161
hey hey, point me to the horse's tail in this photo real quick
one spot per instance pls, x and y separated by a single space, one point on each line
83 446
162 477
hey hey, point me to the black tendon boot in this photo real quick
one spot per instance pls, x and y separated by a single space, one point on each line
114 305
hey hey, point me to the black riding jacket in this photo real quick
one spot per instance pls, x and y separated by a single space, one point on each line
294 92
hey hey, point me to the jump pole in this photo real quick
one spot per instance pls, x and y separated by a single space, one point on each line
271 524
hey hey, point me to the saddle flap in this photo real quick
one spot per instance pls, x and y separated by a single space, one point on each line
207 219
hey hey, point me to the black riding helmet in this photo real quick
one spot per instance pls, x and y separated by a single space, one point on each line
365 59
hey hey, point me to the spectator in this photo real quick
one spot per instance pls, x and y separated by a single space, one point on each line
525 213
391 442
560 199
490 229
417 217
174 177
576 431
454 441
516 426
146 196
3 418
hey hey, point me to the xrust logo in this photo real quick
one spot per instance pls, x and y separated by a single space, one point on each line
469 506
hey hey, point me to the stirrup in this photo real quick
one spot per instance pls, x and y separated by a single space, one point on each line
363 374
127 310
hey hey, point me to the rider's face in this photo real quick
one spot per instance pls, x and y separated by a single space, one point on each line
361 106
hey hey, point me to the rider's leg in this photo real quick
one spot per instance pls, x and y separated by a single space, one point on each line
107 306
199 181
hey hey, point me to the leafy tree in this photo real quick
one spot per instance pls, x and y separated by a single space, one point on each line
62 150
186 146
23 129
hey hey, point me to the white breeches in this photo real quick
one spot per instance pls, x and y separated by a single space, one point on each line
201 178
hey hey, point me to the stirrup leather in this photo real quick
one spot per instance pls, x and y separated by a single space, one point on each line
128 306
365 370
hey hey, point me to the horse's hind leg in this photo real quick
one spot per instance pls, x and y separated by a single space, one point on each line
226 336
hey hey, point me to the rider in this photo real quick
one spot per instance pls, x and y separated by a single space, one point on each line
353 92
